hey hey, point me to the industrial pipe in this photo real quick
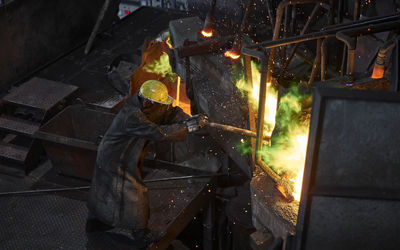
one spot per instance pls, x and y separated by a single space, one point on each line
348 36
207 30
351 43
50 190
330 30
234 53
279 14
363 22
302 32
270 14
356 13
394 78
317 61
209 225
324 52
97 26
379 67
331 12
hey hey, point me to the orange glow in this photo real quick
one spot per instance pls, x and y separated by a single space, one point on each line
290 158
231 54
379 72
282 191
299 152
207 33
168 42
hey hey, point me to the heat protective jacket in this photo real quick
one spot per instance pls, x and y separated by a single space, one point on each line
118 196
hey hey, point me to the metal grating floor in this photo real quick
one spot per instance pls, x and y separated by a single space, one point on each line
51 222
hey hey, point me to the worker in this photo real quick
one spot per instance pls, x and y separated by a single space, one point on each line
118 197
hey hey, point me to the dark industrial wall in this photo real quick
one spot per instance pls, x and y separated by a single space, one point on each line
33 32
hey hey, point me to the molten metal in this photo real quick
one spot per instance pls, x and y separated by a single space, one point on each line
207 33
231 54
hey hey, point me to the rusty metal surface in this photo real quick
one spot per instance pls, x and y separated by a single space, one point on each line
214 44
70 139
39 93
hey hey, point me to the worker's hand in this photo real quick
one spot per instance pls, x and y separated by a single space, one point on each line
196 122
203 120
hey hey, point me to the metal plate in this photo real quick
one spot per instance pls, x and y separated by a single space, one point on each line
42 222
39 93
351 188
48 221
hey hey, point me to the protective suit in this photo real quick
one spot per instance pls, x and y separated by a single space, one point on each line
118 196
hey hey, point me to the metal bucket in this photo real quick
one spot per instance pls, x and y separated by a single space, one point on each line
71 139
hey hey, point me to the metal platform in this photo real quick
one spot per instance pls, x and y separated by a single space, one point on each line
18 126
26 107
13 152
52 221
39 93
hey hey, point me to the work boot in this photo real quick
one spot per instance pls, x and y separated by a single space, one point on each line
144 237
95 225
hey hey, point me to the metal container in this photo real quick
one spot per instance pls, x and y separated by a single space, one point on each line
71 139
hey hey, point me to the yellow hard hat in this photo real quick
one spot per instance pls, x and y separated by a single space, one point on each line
155 91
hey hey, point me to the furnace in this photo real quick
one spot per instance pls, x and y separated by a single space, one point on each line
276 160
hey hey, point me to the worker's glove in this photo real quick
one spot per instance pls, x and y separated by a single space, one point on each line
196 122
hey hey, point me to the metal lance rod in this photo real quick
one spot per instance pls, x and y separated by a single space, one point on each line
88 187
236 130
97 26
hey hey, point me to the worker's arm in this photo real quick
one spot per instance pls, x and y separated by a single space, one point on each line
176 115
138 125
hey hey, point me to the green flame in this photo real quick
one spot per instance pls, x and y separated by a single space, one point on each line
161 67
286 155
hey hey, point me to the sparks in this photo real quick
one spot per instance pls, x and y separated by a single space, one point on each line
231 54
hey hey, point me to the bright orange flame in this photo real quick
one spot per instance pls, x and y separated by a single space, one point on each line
232 54
207 33
168 42
299 150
